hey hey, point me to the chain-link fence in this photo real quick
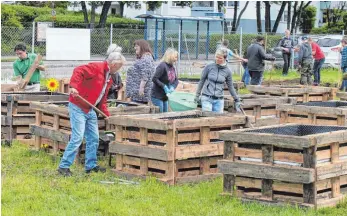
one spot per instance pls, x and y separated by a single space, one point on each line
194 46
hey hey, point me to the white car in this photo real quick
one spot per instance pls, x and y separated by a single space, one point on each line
329 45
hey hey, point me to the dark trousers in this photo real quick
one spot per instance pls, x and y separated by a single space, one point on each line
256 77
316 69
286 59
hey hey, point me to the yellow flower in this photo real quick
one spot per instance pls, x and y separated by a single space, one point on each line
52 84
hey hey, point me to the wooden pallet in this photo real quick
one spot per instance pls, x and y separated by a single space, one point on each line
342 95
317 113
52 121
16 115
258 105
176 148
301 93
267 166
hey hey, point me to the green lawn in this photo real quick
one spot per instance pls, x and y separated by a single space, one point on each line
31 186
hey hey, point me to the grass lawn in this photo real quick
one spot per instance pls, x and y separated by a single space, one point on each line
31 186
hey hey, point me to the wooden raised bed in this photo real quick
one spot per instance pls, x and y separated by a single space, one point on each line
342 95
301 93
53 122
303 165
317 113
176 148
16 115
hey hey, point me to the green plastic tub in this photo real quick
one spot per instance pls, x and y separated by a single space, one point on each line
181 101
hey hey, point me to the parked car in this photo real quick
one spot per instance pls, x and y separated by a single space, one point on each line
329 45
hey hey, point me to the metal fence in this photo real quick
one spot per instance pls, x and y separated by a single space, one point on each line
193 46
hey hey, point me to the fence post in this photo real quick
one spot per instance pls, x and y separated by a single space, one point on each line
111 33
292 57
33 39
240 53
179 47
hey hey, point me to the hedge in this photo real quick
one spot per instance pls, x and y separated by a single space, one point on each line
77 21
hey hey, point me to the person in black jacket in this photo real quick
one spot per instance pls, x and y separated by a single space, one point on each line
286 45
165 80
256 56
116 86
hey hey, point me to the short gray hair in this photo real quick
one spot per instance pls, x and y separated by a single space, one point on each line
222 51
114 54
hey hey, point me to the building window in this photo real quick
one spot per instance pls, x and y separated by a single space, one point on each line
113 11
231 4
285 16
202 4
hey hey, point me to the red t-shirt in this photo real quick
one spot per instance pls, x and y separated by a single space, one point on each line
319 53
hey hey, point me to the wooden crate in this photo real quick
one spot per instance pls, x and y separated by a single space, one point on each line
53 121
342 95
317 113
178 147
258 105
304 165
16 115
301 93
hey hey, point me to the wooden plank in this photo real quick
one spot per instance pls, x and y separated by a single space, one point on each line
267 158
229 150
263 138
38 117
119 161
194 151
23 120
196 179
204 135
332 170
330 202
265 171
327 183
208 121
139 151
143 142
43 131
310 192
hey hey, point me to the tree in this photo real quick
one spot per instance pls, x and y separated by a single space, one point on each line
279 16
240 15
233 28
259 28
132 4
267 16
152 5
335 15
289 15
308 19
104 12
55 4
297 14
84 10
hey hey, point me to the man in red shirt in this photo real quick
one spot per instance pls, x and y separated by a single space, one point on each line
91 82
319 59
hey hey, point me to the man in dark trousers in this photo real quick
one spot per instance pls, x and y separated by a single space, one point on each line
256 56
286 45
305 62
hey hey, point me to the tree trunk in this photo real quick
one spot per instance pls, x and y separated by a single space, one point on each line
92 15
85 13
289 16
240 15
279 16
267 16
121 6
104 12
294 17
233 29
259 28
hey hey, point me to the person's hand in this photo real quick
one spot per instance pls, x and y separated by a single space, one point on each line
167 90
238 105
141 91
196 99
73 92
245 60
171 88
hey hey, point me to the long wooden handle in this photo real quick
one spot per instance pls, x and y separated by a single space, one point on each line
30 73
244 113
94 107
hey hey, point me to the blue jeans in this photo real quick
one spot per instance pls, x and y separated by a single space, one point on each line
316 70
82 125
163 105
246 78
344 82
214 105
